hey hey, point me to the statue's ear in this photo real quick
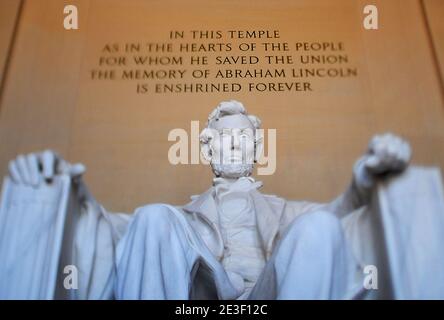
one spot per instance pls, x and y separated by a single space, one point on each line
259 136
205 151
206 138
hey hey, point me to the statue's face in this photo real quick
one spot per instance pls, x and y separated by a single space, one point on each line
232 146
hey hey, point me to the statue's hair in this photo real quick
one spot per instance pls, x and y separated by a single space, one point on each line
232 107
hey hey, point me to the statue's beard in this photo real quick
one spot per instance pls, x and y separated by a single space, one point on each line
232 171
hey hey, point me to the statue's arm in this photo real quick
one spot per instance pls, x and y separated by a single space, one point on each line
387 154
97 233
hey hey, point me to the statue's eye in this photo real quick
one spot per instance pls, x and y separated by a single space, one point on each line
226 133
246 135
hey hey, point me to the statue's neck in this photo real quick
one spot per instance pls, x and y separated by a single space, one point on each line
227 181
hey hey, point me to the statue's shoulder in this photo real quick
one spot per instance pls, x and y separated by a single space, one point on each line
293 205
272 197
273 200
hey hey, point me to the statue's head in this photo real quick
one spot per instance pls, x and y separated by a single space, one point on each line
231 142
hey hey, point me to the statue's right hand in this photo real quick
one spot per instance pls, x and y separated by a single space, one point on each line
34 168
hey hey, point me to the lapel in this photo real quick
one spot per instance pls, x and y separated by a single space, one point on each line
205 208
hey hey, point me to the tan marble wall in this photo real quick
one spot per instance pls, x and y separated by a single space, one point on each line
50 100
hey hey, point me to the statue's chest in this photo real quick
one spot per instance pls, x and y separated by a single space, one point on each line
243 253
237 220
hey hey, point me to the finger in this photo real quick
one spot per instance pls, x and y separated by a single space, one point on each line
396 147
400 153
23 169
63 167
33 168
48 162
395 151
401 156
13 172
381 150
77 170
372 162
392 150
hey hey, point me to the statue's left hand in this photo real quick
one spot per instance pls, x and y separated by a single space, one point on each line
387 153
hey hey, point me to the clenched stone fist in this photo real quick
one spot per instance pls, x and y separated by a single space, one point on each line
387 153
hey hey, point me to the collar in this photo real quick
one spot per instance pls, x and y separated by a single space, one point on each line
222 186
225 181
